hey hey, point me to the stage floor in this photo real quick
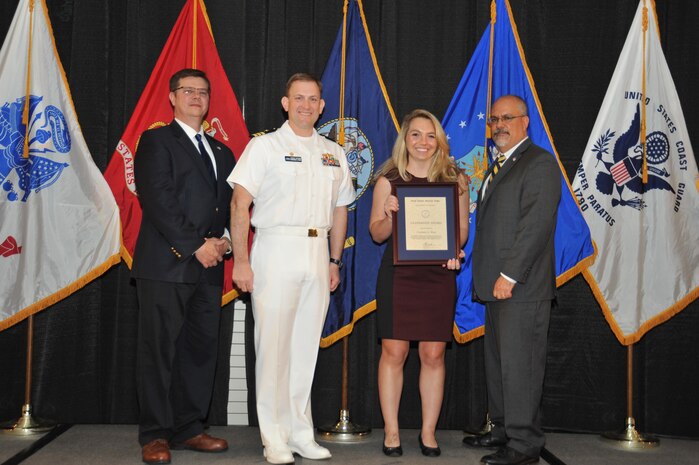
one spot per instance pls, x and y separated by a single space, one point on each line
116 445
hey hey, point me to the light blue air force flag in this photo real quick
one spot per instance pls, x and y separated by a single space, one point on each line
465 125
370 129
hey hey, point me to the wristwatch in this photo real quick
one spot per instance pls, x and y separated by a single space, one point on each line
337 262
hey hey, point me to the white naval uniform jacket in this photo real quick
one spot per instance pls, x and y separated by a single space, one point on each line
290 184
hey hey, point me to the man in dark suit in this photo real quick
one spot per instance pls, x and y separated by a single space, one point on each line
181 182
514 273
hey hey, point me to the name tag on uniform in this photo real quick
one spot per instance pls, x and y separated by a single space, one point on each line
293 158
329 159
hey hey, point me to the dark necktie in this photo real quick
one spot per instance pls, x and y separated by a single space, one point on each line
205 156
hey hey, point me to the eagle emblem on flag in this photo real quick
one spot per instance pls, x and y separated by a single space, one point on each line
48 134
621 177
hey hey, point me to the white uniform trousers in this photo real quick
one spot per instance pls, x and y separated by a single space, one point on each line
289 300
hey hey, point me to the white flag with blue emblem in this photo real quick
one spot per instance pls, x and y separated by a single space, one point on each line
60 223
647 268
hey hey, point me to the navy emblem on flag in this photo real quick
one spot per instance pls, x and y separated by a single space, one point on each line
358 151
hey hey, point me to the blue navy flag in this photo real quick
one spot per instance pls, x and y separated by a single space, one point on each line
465 125
366 128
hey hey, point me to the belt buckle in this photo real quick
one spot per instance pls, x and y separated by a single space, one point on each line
312 232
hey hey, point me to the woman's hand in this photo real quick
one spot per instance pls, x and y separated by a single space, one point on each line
382 207
454 263
390 206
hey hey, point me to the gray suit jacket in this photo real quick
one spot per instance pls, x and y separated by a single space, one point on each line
515 225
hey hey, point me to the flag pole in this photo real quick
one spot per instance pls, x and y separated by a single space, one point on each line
493 20
629 437
344 430
343 54
26 424
195 4
644 23
487 426
25 110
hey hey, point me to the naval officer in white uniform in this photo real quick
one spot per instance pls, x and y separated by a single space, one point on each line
300 185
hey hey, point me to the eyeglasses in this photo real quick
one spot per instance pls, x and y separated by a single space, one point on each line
504 118
190 91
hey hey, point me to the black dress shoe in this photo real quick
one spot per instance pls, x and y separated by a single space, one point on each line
392 451
428 451
508 456
486 441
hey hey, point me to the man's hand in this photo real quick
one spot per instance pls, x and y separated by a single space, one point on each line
210 254
334 276
243 276
502 289
223 245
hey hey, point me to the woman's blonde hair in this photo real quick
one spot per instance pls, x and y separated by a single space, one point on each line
443 167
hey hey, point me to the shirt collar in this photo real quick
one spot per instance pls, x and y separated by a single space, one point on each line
188 129
512 150
287 128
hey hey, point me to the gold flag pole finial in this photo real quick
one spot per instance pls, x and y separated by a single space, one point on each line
643 96
25 111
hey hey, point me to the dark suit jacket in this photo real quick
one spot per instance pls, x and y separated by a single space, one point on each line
181 206
515 225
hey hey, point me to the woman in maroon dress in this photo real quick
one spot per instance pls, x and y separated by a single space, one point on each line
414 302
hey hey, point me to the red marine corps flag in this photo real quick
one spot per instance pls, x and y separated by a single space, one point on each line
190 45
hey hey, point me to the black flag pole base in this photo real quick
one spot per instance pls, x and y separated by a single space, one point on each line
27 425
344 430
629 438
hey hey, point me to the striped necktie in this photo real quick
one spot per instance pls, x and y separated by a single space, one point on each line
498 164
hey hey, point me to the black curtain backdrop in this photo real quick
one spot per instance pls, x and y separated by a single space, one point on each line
84 346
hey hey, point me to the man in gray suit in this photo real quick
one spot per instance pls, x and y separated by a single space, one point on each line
514 274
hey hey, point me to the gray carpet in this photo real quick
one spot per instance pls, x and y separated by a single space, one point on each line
116 445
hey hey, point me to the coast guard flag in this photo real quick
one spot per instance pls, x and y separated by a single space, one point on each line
190 45
465 126
647 234
369 128
59 226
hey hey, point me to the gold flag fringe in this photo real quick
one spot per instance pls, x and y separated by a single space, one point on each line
662 317
348 328
61 294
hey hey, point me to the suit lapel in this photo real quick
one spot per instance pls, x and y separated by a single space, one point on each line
218 157
191 151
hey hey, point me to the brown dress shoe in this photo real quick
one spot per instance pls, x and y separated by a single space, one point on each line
203 443
156 451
